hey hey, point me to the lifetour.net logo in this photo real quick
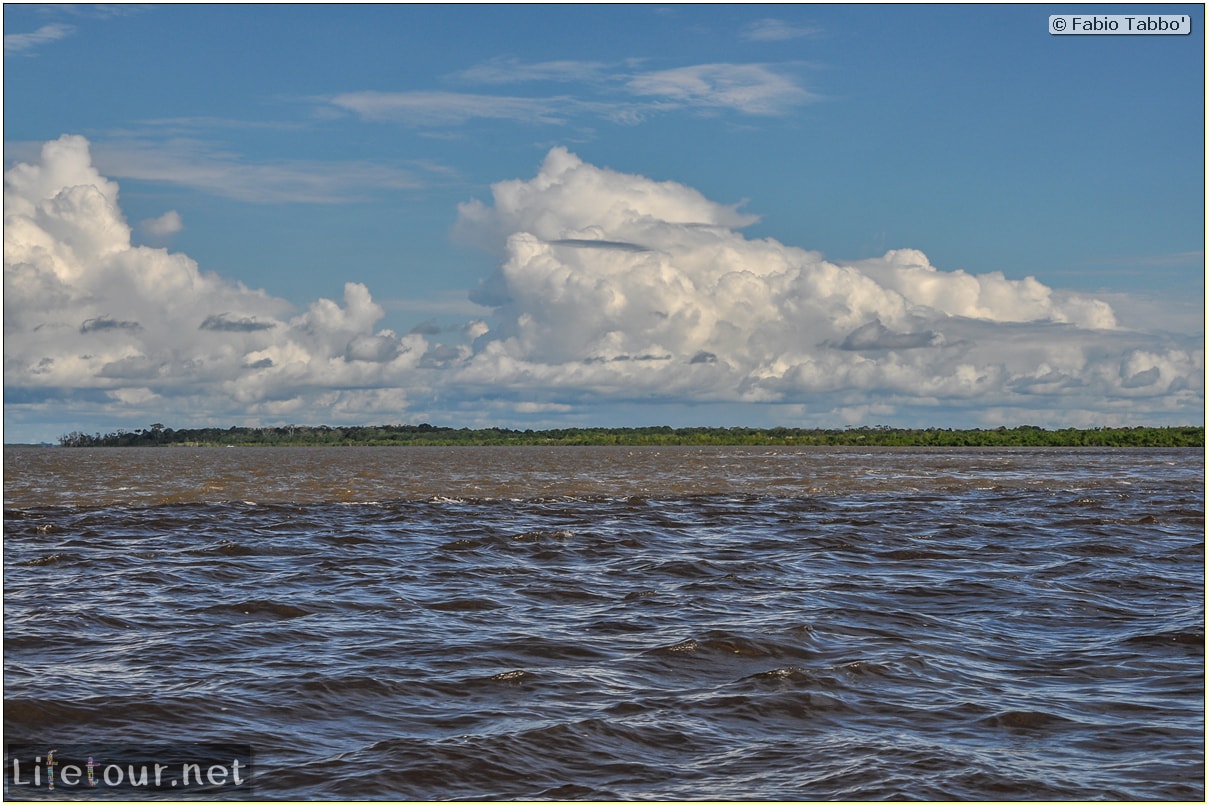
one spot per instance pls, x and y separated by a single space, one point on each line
48 771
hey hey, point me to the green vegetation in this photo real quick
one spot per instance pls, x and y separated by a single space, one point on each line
425 434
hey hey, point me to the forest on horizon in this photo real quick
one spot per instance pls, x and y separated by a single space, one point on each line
425 434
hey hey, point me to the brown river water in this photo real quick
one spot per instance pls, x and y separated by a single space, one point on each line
612 623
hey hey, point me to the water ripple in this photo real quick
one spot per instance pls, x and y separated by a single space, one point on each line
618 623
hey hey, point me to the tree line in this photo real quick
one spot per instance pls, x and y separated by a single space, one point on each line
426 434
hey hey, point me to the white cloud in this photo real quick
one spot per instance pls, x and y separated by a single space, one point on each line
629 288
750 88
168 224
423 108
86 309
774 30
605 204
24 43
514 71
197 164
614 293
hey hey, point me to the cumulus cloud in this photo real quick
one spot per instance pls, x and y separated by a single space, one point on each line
84 308
611 289
168 224
572 204
631 287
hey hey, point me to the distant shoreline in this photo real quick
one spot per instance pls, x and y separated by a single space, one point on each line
440 436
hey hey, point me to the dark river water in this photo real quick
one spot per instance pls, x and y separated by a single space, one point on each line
616 623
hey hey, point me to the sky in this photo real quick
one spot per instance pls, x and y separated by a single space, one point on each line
551 216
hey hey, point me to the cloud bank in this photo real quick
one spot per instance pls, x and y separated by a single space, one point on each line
673 301
87 313
612 289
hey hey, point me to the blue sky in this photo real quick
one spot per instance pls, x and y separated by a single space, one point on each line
834 215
